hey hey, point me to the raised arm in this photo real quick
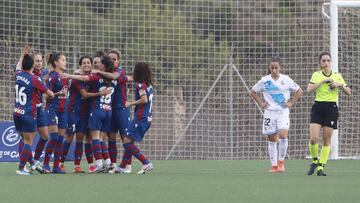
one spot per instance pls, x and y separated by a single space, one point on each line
75 77
24 51
112 76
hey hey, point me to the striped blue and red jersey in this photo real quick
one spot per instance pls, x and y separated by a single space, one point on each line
76 103
55 83
40 74
98 84
120 89
27 88
144 110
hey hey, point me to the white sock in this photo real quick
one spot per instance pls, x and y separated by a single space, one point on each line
283 145
273 153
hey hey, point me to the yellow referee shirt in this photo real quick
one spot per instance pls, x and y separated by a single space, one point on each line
324 93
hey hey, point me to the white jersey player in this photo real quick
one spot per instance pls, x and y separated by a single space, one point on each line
276 89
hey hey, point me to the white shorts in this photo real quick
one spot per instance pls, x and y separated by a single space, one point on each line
275 120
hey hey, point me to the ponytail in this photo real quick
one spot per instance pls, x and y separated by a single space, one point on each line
53 57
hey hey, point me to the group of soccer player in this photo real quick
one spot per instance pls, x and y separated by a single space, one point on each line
91 104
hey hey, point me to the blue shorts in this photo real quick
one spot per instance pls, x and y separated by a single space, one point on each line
120 121
99 120
41 117
138 129
25 123
56 118
76 124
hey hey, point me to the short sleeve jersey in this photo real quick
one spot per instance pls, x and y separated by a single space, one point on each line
276 92
324 93
40 74
27 87
97 84
76 103
144 110
55 83
120 89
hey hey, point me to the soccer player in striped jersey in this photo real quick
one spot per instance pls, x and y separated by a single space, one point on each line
27 88
276 89
78 113
103 136
142 118
41 116
324 113
100 107
56 111
120 119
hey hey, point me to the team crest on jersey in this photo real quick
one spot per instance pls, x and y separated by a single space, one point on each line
282 82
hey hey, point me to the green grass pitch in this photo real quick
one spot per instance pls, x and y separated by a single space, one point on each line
189 181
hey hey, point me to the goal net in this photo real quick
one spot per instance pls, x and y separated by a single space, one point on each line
348 64
205 55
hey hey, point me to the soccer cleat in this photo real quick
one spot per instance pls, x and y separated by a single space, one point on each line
37 166
127 169
274 169
119 170
77 169
91 168
112 168
311 171
106 168
98 169
58 170
146 168
22 172
320 172
62 166
27 170
281 166
46 169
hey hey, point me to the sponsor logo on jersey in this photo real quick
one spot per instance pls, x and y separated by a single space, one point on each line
19 111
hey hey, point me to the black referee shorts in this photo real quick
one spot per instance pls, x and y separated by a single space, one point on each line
325 114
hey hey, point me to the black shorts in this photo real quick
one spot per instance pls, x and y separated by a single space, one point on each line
325 114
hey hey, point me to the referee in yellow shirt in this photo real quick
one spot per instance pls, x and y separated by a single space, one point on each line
324 113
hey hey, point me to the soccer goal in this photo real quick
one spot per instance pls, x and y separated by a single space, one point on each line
344 19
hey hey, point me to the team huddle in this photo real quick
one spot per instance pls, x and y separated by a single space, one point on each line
91 104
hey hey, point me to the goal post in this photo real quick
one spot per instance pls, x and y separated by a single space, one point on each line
334 50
